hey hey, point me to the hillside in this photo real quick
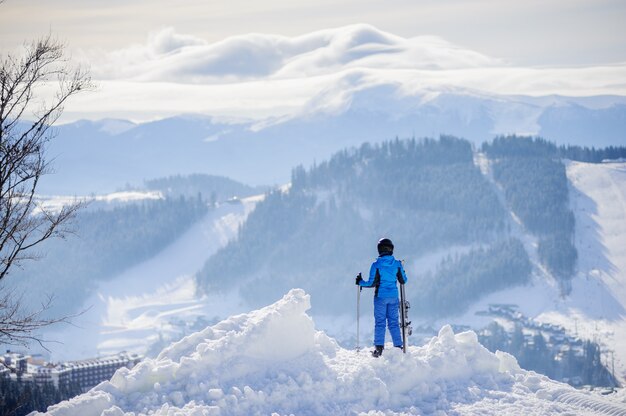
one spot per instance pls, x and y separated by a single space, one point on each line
427 193
599 200
458 218
117 232
597 306
274 361
461 231
108 236
595 309
474 229
154 301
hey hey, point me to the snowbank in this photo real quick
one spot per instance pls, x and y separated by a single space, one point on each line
273 361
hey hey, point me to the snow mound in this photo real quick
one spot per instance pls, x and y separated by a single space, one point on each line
273 361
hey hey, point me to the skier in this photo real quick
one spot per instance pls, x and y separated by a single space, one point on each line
384 273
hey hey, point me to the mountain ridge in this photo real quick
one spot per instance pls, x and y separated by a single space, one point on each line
103 156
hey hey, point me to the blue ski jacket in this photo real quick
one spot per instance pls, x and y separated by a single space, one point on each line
384 275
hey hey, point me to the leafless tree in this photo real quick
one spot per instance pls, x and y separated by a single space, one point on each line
26 117
19 326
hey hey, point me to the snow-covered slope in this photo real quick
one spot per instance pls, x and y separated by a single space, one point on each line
596 307
156 299
273 361
598 193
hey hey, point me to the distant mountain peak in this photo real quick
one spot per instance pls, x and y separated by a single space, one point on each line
115 126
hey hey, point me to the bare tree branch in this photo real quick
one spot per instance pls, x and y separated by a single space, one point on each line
25 129
18 327
23 143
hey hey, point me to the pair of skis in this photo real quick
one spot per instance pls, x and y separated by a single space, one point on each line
405 324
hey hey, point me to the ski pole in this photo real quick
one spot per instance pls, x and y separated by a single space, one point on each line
358 314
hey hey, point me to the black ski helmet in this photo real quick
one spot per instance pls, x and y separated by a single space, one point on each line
385 246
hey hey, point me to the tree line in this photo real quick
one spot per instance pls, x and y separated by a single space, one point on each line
19 398
426 194
578 364
211 187
592 154
460 281
523 147
106 242
536 188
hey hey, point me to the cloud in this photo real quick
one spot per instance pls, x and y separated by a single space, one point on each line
280 98
261 77
130 62
171 57
167 41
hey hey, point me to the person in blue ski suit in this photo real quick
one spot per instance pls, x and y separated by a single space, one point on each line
385 272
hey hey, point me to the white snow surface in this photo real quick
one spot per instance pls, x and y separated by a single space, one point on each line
596 307
137 308
54 203
273 361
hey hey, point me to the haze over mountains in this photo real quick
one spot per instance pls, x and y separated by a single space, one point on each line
102 156
272 102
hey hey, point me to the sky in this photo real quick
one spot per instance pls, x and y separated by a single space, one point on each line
142 52
530 32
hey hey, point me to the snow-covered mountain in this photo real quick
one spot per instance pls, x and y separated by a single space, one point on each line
103 156
135 309
596 307
155 300
274 361
265 103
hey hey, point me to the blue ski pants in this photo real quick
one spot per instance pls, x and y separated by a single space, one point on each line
386 311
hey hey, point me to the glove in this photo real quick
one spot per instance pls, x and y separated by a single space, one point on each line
359 279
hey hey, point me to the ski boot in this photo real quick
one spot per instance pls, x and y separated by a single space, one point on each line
378 351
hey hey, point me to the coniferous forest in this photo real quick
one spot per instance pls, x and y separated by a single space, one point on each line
214 188
428 194
481 271
106 242
20 398
535 186
435 202
534 353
